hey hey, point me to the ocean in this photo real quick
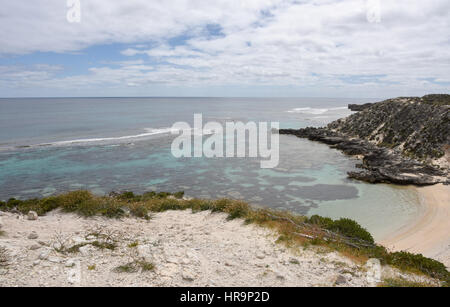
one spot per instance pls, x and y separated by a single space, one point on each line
54 145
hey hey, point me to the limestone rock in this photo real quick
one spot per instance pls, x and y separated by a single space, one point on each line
341 280
32 216
33 236
35 247
188 275
44 254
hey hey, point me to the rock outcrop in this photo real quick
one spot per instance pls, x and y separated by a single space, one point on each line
401 141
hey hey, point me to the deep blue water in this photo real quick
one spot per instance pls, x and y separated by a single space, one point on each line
49 146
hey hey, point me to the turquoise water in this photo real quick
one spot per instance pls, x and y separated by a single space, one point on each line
125 146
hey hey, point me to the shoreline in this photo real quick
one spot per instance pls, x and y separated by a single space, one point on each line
429 234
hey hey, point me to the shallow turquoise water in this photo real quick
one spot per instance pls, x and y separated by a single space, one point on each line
310 179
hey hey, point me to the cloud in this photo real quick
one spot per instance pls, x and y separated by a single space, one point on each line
324 45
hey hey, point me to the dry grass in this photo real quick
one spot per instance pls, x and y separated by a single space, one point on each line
135 266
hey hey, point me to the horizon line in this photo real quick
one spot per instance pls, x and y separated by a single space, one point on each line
193 97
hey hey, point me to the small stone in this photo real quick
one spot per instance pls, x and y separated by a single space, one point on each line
341 280
145 253
348 276
32 216
85 250
44 255
70 263
35 247
172 260
1 223
33 236
260 256
57 246
54 260
185 261
280 275
187 275
37 262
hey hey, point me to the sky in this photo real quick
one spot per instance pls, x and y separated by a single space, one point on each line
224 48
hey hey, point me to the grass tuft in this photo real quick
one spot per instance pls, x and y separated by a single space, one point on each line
135 266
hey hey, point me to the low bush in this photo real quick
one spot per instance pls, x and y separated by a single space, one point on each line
408 261
346 227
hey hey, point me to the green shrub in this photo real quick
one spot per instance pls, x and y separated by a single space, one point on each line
220 205
163 195
13 203
78 201
320 221
168 204
47 204
26 206
199 205
179 195
405 261
237 210
352 229
140 211
112 210
127 195
346 227
148 195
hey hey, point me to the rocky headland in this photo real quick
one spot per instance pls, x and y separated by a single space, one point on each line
402 141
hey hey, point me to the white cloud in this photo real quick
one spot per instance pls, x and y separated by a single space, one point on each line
313 44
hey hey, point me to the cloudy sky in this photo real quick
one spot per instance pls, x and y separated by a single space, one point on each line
301 48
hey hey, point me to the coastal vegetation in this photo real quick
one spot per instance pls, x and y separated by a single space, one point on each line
344 235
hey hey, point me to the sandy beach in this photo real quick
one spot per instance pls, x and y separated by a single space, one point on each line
430 233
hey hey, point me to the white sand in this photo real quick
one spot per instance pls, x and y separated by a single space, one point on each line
430 233
187 249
